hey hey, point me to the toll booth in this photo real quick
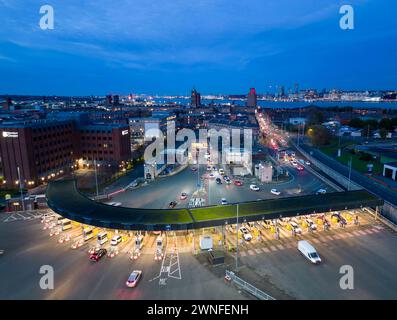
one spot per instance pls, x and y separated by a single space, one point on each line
159 249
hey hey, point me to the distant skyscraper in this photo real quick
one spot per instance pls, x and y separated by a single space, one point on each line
252 98
195 99
296 88
109 100
282 91
116 100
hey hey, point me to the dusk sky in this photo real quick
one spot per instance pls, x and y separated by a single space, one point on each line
218 46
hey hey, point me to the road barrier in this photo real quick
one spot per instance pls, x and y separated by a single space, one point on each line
231 276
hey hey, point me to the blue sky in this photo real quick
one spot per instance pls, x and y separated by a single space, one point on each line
218 46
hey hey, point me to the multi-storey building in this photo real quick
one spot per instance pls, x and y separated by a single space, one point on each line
45 149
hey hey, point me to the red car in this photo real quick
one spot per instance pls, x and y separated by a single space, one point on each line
98 255
300 168
238 183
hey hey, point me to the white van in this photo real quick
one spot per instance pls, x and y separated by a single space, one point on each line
102 237
308 251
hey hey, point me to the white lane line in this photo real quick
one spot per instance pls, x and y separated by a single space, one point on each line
273 248
266 250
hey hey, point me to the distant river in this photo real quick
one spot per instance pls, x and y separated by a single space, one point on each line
299 104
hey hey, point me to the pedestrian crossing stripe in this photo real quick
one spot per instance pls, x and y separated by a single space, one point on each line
290 245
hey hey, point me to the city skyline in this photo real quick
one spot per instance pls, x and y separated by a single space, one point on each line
97 49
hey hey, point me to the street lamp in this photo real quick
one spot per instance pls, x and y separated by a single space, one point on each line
237 208
96 178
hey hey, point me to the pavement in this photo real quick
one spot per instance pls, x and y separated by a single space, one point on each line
159 193
27 248
273 265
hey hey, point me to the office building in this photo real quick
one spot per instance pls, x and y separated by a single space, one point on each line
252 98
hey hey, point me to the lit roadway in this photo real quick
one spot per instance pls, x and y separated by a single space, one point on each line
161 192
27 248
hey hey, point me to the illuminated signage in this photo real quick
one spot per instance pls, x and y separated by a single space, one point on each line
10 134
124 132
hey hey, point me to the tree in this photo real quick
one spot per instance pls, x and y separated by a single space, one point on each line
319 135
383 133
386 124
357 123
316 117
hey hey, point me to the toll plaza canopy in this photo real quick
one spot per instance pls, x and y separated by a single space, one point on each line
64 198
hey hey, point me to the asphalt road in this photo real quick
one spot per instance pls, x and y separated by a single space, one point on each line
161 192
370 185
373 258
27 248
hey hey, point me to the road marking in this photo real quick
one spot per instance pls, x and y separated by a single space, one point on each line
375 230
273 248
250 252
329 238
362 232
356 233
379 227
369 231
316 240
243 253
280 247
266 250
258 250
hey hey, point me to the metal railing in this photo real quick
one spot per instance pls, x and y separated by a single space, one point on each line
248 287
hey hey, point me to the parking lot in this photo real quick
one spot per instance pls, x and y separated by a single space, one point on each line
271 253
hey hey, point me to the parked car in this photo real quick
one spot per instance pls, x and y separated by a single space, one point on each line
218 181
221 171
224 201
116 240
295 227
246 234
275 192
339 218
228 181
183 196
212 176
133 279
172 204
238 183
98 254
226 178
321 191
208 168
254 187
311 224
